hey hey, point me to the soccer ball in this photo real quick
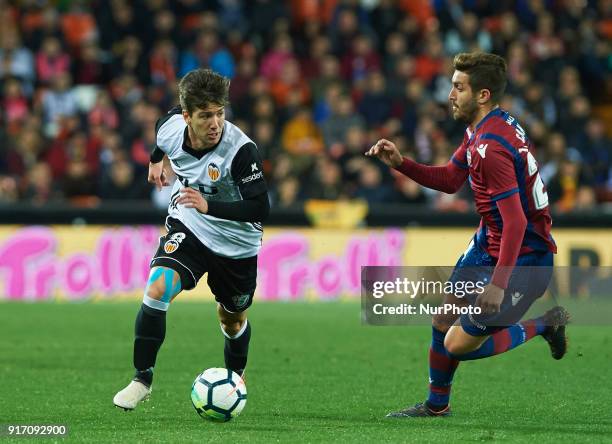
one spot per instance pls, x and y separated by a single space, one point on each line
218 394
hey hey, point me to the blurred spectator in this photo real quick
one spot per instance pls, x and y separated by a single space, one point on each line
78 24
286 193
596 149
375 104
40 187
570 189
311 64
361 60
326 180
15 59
300 135
120 182
265 135
555 152
322 109
273 61
59 101
508 32
429 62
208 52
130 59
343 29
537 105
343 116
385 18
9 192
395 51
15 105
371 187
329 74
290 83
51 60
79 182
409 192
162 62
90 67
245 72
103 112
469 36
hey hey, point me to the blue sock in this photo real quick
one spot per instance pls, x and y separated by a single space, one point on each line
442 367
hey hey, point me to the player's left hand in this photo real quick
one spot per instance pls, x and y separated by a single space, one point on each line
491 299
193 199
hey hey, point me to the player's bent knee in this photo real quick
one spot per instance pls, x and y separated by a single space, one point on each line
455 346
155 291
163 285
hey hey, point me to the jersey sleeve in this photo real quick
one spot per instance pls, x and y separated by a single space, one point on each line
158 152
499 172
247 171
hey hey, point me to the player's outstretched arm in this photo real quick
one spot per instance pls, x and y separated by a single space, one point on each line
448 178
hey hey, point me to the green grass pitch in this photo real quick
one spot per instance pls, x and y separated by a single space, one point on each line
315 374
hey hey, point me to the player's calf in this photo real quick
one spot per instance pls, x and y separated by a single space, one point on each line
237 331
150 332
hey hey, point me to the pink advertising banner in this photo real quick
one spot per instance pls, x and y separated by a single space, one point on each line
97 262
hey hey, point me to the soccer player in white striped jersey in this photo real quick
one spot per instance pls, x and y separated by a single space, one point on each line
214 224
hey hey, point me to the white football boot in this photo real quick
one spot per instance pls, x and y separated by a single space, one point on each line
129 397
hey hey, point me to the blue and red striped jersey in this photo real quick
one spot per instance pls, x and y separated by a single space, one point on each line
500 160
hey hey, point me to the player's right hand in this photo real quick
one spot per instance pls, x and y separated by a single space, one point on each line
386 151
157 175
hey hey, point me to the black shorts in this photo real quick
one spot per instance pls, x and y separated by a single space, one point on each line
232 281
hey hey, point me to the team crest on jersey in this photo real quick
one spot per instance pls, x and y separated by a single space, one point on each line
240 300
173 243
213 171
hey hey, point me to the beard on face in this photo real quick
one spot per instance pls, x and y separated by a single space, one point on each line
466 113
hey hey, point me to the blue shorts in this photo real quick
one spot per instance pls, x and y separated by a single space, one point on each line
528 282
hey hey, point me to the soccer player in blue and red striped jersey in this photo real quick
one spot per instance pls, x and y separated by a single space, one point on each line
512 250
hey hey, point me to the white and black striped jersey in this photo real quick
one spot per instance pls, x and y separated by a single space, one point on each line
228 172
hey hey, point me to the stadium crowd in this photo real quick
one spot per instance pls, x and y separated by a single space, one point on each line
314 83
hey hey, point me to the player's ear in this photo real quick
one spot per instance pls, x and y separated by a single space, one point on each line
187 117
484 96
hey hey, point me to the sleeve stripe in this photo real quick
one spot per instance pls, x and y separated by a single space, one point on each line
461 165
505 194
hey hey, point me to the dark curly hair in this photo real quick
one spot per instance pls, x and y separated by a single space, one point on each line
486 71
201 87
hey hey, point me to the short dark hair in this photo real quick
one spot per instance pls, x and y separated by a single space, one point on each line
201 87
486 71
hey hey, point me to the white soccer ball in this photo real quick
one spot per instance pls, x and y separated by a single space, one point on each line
218 394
